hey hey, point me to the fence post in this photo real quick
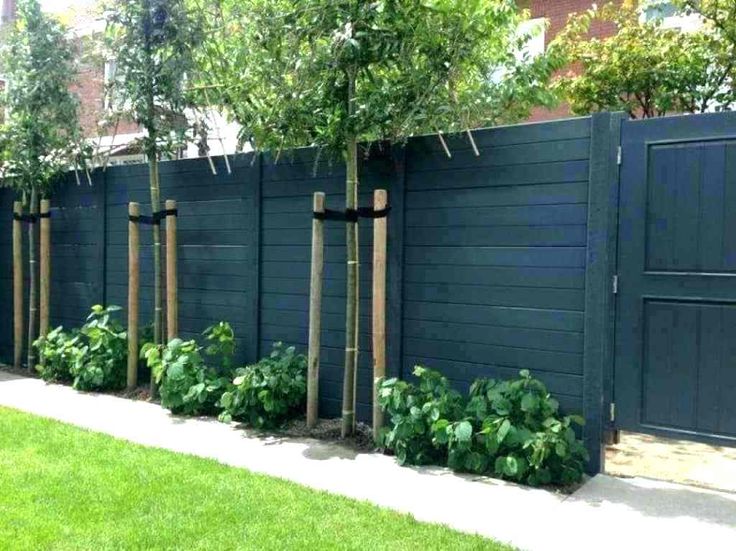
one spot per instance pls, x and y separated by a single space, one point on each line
380 201
172 289
45 270
315 312
17 285
134 210
395 261
599 265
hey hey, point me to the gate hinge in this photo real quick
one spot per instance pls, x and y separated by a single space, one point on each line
619 156
614 284
613 411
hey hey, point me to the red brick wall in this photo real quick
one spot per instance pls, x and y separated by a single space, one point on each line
557 13
90 87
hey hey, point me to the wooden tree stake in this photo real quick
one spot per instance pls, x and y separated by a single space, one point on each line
172 289
45 268
380 201
18 286
134 209
315 312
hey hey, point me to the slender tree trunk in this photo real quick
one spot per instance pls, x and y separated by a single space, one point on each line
351 305
18 286
157 259
32 283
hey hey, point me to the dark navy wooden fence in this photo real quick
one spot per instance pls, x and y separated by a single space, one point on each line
497 262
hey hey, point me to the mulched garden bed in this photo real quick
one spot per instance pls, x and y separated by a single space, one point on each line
330 430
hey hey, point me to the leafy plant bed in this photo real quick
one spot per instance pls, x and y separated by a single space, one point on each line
507 429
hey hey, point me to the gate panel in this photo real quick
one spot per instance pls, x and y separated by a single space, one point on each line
675 371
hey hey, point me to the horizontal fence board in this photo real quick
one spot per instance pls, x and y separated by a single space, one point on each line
493 246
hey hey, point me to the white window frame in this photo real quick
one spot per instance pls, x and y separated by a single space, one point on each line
536 28
684 22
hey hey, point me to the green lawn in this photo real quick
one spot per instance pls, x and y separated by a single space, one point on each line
66 488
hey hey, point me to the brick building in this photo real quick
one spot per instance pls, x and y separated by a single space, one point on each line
551 16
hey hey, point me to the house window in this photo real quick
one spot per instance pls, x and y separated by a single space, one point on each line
669 17
534 29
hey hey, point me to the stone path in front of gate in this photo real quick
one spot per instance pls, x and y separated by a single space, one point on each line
681 461
607 513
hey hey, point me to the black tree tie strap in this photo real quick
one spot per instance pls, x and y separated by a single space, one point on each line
154 220
368 212
351 215
348 215
30 218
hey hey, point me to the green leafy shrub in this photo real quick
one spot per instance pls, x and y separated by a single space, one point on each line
187 386
509 429
414 412
59 350
221 343
269 392
513 430
102 358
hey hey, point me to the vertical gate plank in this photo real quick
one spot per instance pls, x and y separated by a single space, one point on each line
598 322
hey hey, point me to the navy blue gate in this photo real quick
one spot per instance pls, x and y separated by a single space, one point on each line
675 349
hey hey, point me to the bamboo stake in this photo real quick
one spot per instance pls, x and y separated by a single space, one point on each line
351 300
172 289
45 269
134 209
18 285
158 279
315 312
32 282
380 201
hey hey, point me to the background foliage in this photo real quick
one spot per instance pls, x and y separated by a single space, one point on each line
644 69
281 67
40 137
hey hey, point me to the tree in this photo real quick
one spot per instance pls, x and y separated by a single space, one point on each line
334 73
643 69
151 42
719 14
41 137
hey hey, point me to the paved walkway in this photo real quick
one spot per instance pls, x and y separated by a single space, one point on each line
606 514
690 463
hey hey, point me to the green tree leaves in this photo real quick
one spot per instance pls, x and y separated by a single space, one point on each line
280 67
152 43
41 137
645 69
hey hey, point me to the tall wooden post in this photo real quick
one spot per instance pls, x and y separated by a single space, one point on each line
45 270
134 210
315 312
380 201
172 290
17 285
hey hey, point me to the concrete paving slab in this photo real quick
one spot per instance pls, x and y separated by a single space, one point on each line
672 460
606 513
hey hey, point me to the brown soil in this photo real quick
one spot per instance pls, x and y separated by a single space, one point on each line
330 430
23 372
